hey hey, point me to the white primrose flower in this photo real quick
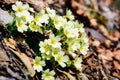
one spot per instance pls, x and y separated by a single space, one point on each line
62 59
71 52
58 22
51 13
70 24
67 32
41 18
55 51
75 45
78 63
83 44
35 28
69 29
19 8
44 19
79 26
44 47
26 16
38 64
69 15
48 75
54 41
75 33
21 26
71 32
28 8
37 20
84 38
64 23
84 48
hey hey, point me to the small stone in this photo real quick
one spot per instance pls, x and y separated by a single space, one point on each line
5 17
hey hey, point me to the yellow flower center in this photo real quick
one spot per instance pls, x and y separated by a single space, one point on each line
46 47
48 75
59 59
53 41
36 19
64 25
67 32
24 17
19 24
37 63
81 48
56 22
55 52
19 9
33 26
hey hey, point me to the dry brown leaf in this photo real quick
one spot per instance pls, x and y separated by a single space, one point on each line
117 54
116 74
106 55
92 62
115 35
26 62
116 64
11 43
37 4
8 1
93 22
107 43
3 56
23 57
96 43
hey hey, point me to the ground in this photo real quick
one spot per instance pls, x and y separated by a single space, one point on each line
101 21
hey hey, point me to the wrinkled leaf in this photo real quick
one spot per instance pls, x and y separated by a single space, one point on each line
26 62
23 57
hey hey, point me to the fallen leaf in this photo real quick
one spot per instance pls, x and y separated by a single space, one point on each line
26 62
3 56
116 74
116 64
117 54
11 43
37 4
107 43
23 57
9 1
95 43
106 55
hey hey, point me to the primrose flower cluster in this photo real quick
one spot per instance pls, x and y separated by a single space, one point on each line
65 38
